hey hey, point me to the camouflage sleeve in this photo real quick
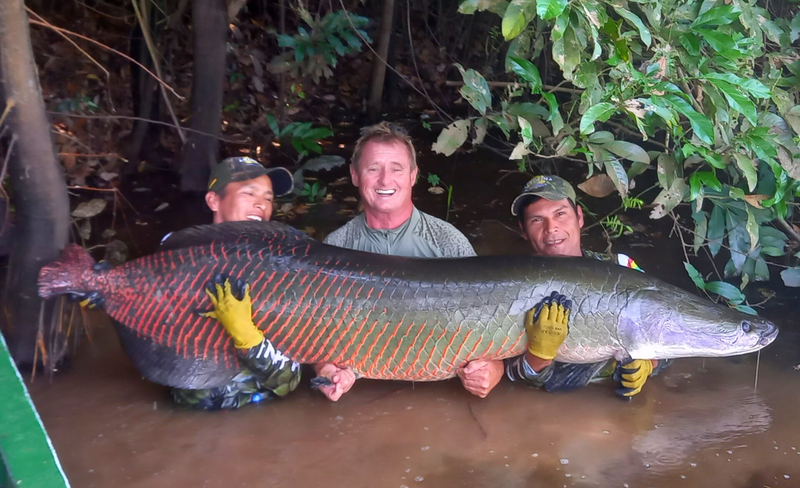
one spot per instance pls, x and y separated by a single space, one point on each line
518 369
270 368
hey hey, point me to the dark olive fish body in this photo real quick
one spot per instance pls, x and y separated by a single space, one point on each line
386 317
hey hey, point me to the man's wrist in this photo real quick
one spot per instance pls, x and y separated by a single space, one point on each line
536 363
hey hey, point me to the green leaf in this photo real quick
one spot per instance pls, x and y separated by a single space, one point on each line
451 138
617 174
273 125
601 137
525 130
702 127
754 87
718 41
701 179
737 100
666 170
722 15
725 290
700 230
475 89
566 146
668 199
752 229
528 110
791 277
468 7
518 15
628 151
433 179
748 168
634 19
550 9
691 43
716 229
527 71
794 34
695 276
636 169
746 309
600 112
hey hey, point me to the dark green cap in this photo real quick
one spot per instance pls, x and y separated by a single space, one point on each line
549 187
243 169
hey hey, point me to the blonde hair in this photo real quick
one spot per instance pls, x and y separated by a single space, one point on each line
386 132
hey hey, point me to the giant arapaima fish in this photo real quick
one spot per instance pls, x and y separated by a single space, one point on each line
386 317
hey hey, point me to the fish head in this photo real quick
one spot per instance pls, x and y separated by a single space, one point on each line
671 323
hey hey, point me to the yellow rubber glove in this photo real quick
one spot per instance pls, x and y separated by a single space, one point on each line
632 376
234 314
547 326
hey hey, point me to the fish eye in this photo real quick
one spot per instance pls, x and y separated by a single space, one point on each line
746 326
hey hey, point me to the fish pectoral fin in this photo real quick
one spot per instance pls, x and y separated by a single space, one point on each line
568 376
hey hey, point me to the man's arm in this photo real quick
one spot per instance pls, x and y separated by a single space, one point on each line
269 366
547 327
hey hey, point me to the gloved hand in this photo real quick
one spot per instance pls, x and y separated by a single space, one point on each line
90 300
547 326
632 376
235 314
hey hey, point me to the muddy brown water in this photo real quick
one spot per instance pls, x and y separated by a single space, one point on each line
700 423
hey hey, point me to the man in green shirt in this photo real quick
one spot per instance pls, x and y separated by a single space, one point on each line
384 168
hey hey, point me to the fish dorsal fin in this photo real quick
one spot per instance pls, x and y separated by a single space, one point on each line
271 232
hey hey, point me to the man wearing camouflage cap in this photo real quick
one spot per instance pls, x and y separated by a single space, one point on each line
241 189
551 221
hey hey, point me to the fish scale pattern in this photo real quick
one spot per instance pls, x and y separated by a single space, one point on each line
420 321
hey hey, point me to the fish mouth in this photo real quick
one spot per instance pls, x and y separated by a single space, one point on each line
769 334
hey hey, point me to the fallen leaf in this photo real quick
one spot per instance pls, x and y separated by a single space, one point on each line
340 181
755 200
301 209
85 229
162 206
519 151
598 186
436 190
350 200
451 138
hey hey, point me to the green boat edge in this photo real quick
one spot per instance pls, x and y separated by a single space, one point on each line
27 457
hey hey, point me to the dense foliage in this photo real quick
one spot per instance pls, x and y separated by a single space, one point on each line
702 92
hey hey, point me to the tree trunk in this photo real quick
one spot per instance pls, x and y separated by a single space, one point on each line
379 62
210 26
40 194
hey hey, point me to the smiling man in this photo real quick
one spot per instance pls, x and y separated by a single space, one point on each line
384 168
551 221
242 189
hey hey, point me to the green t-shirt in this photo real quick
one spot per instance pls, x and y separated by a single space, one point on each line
421 236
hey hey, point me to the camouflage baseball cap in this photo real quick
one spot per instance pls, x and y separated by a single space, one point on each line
548 187
243 169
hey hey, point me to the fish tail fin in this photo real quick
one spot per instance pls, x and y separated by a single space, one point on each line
63 275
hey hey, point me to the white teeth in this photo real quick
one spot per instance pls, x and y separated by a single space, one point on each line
254 217
385 192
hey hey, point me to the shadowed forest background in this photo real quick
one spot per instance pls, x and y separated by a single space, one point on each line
676 120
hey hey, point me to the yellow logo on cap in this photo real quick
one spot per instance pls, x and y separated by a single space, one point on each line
212 183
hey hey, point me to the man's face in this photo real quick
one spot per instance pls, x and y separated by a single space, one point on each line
384 177
243 200
553 227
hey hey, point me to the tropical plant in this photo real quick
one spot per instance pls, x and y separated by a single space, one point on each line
704 92
313 192
314 52
302 135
